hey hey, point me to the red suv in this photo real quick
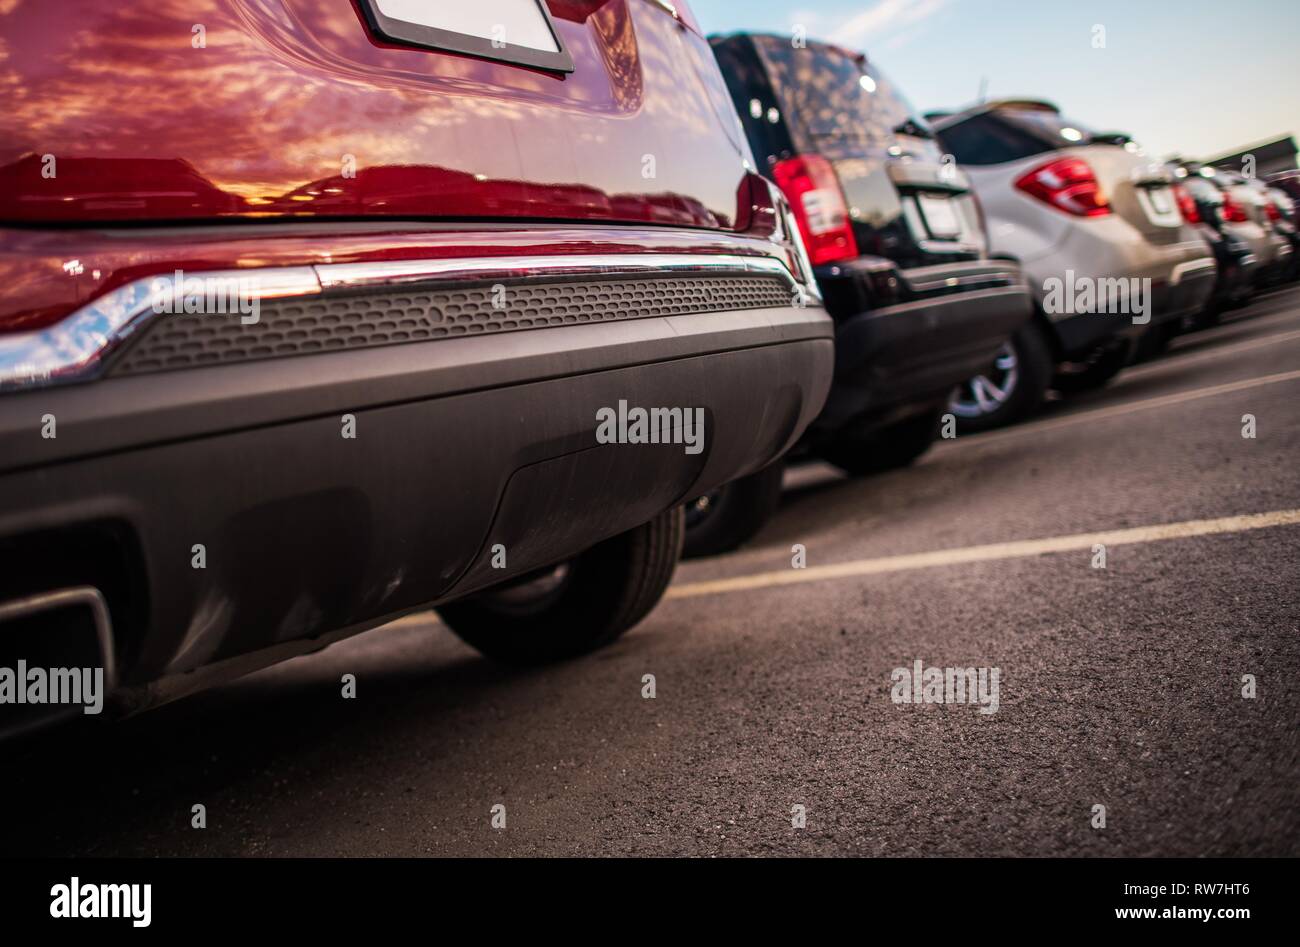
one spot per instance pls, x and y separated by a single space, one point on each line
316 312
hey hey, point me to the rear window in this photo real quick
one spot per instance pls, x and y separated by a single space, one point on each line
1051 127
831 93
1010 134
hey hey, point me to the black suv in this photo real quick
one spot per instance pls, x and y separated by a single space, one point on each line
1202 206
898 245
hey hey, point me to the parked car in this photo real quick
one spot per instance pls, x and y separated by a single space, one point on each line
1201 204
1250 213
1283 216
453 262
1079 211
899 251
1288 182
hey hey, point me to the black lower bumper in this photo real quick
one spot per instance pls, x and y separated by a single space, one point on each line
459 445
890 359
1079 335
1236 269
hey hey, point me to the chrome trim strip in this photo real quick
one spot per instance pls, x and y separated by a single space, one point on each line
996 279
339 275
86 595
1191 266
76 348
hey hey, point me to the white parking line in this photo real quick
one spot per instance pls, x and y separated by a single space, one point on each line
1102 414
988 553
1032 547
1177 359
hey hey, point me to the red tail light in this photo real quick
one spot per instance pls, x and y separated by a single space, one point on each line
1271 211
810 185
1233 212
1186 204
1067 184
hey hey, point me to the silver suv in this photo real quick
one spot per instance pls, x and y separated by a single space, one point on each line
1096 228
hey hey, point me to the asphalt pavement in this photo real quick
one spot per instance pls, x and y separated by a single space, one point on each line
1119 687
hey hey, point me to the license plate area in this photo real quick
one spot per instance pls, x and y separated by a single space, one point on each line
940 216
511 31
1159 204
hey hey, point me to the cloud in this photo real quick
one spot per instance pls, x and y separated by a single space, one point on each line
887 16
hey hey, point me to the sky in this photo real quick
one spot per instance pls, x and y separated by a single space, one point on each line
1195 77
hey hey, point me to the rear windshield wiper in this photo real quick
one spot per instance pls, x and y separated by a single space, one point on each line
1110 138
914 128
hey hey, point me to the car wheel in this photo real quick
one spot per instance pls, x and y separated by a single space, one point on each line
731 515
1011 389
1095 372
887 449
578 606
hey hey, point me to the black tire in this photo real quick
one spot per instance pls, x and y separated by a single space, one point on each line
1034 363
733 514
602 593
1094 373
887 449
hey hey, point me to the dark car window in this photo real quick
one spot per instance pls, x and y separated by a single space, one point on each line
824 101
834 94
1050 126
1010 134
980 141
752 97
